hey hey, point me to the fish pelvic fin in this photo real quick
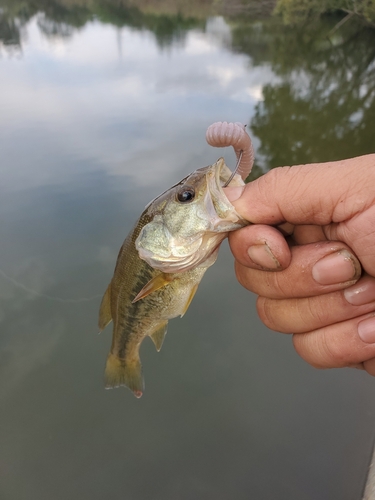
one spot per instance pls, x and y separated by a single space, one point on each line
105 315
121 372
155 284
158 335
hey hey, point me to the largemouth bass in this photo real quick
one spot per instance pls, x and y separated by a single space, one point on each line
161 264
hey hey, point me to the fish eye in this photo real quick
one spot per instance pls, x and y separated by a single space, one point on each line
186 194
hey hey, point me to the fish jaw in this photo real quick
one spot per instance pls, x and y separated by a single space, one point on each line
180 238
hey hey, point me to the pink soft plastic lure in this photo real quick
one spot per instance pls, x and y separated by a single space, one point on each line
223 134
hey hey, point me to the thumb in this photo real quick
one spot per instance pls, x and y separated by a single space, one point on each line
337 195
318 193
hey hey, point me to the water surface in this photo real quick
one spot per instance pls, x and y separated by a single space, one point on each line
100 113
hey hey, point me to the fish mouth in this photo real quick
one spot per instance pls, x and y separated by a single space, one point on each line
223 173
174 253
217 178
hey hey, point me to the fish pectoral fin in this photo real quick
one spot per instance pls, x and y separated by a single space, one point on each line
105 315
123 372
190 298
159 335
155 284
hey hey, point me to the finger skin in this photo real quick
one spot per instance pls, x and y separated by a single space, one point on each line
335 346
256 234
253 235
302 235
334 201
369 366
319 193
296 280
310 313
338 196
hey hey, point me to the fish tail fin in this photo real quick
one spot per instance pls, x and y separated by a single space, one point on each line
121 372
105 315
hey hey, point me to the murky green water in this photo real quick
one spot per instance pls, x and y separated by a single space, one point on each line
100 111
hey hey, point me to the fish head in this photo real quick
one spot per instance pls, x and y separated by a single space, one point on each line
188 222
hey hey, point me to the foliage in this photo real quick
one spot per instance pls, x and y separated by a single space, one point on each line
295 12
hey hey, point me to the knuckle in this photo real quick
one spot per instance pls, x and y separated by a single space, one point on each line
265 312
306 349
332 352
273 178
240 272
245 277
328 347
272 314
315 313
279 285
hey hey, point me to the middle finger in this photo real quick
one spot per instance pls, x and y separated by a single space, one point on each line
314 269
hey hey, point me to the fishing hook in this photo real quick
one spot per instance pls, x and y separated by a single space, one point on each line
235 170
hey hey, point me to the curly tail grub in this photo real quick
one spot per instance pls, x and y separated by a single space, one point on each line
223 134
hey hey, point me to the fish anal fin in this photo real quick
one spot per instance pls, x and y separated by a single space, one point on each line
121 372
190 298
105 315
158 335
155 284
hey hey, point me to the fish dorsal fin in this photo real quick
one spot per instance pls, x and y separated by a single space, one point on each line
190 298
155 284
159 335
105 315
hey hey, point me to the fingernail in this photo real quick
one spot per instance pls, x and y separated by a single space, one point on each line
361 293
233 193
337 267
366 330
262 255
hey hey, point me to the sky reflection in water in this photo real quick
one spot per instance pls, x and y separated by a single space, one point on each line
93 126
113 97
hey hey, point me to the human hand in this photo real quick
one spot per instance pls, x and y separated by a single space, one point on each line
323 290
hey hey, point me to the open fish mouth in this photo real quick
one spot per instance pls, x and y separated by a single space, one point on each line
218 177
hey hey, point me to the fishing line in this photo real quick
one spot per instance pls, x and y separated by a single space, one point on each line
17 284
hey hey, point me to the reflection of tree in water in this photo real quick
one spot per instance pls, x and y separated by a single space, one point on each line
324 107
321 107
61 19
14 14
167 28
53 28
9 31
57 20
10 27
